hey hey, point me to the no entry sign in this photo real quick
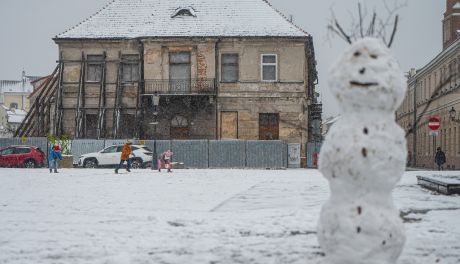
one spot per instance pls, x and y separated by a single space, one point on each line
434 123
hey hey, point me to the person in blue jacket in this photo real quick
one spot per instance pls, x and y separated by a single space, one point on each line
53 156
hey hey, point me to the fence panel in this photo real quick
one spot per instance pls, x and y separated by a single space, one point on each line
193 153
84 146
266 154
313 150
110 142
161 146
227 154
39 142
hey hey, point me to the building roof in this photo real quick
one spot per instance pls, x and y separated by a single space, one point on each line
16 86
128 19
14 116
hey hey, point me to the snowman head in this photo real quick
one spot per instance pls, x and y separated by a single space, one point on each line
367 78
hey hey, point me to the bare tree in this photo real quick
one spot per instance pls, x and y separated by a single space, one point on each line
378 27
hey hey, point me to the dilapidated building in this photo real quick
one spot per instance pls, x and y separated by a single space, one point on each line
233 69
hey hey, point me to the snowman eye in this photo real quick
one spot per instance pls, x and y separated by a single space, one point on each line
374 56
357 54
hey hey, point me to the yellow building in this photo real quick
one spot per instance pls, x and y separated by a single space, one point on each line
14 94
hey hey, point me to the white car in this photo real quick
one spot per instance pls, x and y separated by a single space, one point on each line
110 157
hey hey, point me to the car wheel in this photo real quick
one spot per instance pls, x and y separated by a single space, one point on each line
29 164
136 164
90 163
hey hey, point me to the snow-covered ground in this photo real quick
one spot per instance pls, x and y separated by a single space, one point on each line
195 216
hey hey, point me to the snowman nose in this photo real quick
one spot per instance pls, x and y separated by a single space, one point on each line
362 71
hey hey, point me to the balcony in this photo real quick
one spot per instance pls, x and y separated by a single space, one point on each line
181 87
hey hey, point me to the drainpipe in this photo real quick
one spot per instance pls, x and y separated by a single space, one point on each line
414 128
217 83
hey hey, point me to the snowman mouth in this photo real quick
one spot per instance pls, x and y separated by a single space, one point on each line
363 84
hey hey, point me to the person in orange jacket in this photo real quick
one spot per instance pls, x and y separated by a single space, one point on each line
125 153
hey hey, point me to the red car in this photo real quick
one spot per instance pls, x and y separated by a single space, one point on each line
22 156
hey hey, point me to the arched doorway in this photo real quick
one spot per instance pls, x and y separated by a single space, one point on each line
179 128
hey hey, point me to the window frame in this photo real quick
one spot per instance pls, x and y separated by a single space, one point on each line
132 65
262 64
222 64
17 152
94 64
104 151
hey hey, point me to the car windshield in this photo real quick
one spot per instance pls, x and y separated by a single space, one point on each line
110 149
147 148
134 148
7 151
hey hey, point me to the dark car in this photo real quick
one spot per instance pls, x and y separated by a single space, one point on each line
22 156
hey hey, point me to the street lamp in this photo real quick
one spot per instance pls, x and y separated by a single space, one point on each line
453 115
155 104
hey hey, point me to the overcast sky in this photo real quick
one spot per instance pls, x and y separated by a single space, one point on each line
27 26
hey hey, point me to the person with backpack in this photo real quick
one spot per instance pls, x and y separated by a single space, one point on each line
53 156
440 158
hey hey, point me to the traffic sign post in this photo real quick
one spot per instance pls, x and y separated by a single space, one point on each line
434 123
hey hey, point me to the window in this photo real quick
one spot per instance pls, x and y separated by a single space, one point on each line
179 72
7 151
230 67
130 64
94 68
128 126
269 126
91 126
182 12
269 67
21 150
14 105
111 149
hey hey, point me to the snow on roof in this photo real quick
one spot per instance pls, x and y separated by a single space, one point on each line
456 6
16 116
16 86
121 19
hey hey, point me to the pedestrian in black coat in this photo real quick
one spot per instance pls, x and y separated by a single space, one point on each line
440 158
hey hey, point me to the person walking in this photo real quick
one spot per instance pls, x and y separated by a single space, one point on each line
53 156
125 153
440 158
166 157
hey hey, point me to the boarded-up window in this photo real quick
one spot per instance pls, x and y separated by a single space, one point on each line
269 126
179 72
230 67
91 126
94 68
130 68
229 125
269 67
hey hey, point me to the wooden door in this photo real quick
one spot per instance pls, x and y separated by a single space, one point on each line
229 125
269 126
179 128
180 133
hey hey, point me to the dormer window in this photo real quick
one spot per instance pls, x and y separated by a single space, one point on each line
183 12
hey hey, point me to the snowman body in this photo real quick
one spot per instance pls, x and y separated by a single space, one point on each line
363 157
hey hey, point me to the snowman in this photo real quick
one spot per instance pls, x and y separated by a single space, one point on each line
363 158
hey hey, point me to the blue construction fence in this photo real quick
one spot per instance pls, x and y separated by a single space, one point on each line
196 154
